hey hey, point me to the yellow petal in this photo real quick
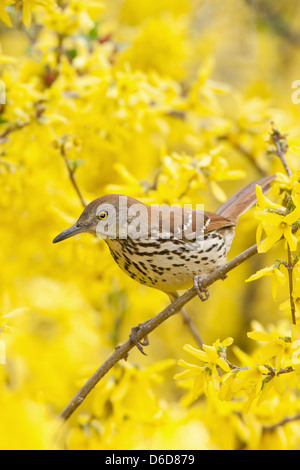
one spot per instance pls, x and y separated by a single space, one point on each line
226 392
223 364
274 288
280 277
293 216
268 217
290 238
296 189
186 374
196 352
183 363
259 336
260 197
211 353
265 203
227 342
279 385
269 241
295 332
259 234
262 272
217 191
4 16
27 12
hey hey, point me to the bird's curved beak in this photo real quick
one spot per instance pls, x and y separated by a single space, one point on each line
68 233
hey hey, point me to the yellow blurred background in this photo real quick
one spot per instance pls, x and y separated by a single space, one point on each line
169 101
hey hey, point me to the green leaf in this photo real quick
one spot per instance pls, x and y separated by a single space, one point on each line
72 53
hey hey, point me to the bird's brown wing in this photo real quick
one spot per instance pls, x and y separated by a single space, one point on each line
182 223
216 222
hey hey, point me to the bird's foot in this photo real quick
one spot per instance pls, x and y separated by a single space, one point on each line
139 343
202 291
125 357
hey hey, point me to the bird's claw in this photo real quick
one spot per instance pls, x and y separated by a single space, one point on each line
125 357
139 343
198 285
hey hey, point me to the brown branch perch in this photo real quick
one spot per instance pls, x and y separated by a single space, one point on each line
122 351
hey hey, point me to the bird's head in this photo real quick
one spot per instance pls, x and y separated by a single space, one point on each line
106 217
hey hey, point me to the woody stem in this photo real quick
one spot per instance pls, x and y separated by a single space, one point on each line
291 288
121 352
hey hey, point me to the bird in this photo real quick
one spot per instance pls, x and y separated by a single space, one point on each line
167 248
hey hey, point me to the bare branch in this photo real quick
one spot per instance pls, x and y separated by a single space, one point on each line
290 268
12 128
15 126
245 152
192 327
72 176
188 321
288 419
281 145
122 351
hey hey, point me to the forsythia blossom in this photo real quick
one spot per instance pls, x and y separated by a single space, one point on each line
278 278
275 221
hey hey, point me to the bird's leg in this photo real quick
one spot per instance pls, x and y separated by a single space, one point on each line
139 343
198 284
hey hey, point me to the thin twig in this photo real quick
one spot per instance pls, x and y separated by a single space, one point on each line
286 370
273 19
245 152
72 177
280 142
59 48
291 288
281 145
232 366
39 109
273 372
192 327
12 128
122 351
188 321
288 419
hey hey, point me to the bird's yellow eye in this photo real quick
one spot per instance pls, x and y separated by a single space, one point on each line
102 215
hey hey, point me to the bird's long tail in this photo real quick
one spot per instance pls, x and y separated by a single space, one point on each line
243 199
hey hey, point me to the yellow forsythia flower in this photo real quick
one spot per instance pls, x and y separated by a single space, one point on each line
275 224
278 278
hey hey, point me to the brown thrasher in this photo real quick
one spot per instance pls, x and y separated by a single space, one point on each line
169 249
